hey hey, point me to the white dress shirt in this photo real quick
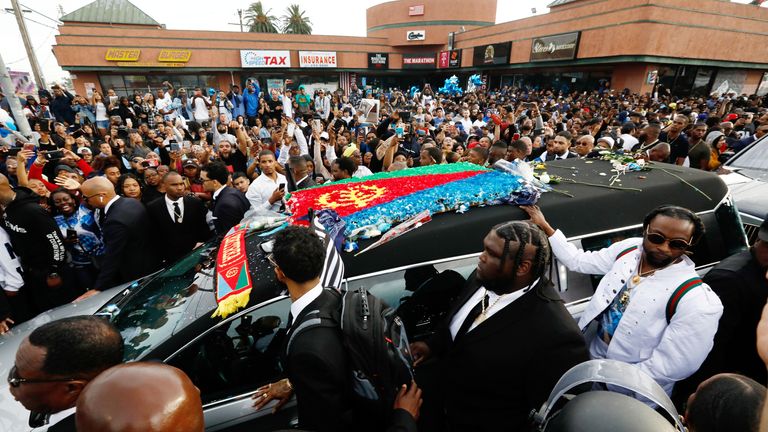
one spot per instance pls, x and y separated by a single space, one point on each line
217 192
261 189
303 301
169 205
495 304
109 204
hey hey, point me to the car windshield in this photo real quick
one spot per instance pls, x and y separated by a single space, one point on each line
154 311
753 161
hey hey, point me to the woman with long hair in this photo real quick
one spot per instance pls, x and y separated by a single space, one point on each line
129 186
100 108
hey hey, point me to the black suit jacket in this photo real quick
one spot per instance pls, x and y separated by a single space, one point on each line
740 283
129 250
228 209
315 361
177 239
494 375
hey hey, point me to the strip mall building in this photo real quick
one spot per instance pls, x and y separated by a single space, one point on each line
689 46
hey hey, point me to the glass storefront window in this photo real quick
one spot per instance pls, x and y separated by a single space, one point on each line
126 85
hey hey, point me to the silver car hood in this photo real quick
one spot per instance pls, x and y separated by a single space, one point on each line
13 416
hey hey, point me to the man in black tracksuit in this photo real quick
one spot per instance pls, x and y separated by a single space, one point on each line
35 239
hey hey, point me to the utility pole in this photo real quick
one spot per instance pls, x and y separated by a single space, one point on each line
10 93
28 45
240 15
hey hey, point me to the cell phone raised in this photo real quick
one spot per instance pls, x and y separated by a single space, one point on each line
55 154
281 186
174 146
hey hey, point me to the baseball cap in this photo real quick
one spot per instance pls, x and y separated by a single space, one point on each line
731 117
189 162
82 150
763 233
324 135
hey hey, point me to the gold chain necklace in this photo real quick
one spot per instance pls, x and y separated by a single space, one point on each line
637 278
480 318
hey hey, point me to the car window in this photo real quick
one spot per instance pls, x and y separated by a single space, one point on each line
724 235
755 157
421 295
239 355
150 315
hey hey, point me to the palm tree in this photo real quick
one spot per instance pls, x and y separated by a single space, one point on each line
259 21
294 22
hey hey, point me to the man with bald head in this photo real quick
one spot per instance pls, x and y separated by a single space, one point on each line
125 226
178 218
146 397
57 360
660 152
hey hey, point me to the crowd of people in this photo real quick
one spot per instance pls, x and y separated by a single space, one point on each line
110 188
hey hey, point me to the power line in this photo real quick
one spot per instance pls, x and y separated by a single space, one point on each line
42 15
31 20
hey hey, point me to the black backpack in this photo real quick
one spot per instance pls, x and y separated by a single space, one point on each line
378 354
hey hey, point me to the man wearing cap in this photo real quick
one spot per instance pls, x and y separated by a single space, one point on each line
303 101
86 154
741 282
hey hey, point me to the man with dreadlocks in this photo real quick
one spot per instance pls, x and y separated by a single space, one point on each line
650 309
506 341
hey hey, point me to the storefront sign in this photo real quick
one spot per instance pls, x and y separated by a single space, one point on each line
378 61
175 56
122 54
449 59
558 47
416 35
317 59
491 54
150 64
416 10
419 61
265 59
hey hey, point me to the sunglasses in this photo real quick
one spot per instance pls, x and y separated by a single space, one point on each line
271 259
659 239
14 380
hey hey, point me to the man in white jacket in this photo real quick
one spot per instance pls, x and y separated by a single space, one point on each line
650 309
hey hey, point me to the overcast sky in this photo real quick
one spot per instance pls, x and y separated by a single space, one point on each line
198 14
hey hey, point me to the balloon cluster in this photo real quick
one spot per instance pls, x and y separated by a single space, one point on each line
451 87
474 82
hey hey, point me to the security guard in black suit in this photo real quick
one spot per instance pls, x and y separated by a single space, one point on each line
506 342
178 220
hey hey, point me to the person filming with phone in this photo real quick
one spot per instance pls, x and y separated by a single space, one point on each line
268 190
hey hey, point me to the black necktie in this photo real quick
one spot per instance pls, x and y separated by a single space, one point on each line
102 217
473 314
290 320
176 213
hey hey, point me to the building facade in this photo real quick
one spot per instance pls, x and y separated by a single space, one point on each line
687 46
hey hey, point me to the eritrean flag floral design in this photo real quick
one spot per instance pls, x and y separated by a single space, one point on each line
385 199
233 285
